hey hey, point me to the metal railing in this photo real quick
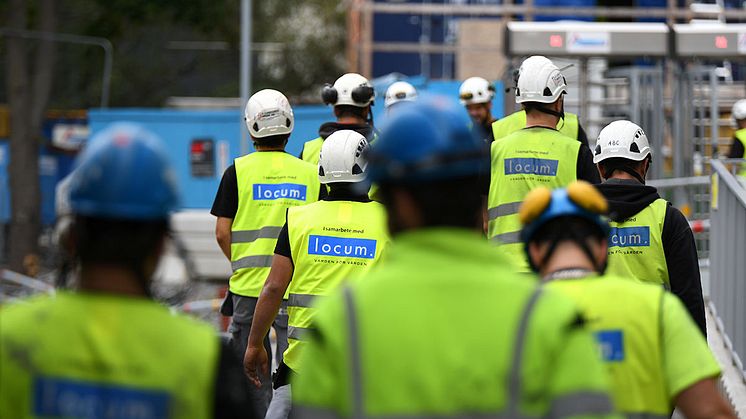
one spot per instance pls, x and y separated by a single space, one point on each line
14 286
691 195
728 257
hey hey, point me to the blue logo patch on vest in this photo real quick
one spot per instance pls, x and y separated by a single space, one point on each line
65 398
272 191
629 236
611 344
531 166
341 247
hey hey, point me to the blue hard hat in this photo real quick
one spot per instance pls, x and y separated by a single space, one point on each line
579 199
428 139
124 173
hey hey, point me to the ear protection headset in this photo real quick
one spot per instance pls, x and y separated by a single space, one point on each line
361 94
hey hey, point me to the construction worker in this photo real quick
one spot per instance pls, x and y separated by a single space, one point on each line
250 208
738 147
109 350
352 97
320 245
398 92
568 125
476 95
650 240
444 328
655 356
537 155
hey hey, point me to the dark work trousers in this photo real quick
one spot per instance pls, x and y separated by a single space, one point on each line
243 313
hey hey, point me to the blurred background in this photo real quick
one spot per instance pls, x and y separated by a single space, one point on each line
184 69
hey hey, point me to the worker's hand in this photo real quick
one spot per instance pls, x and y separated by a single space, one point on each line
255 362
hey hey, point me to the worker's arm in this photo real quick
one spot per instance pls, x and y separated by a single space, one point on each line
683 265
689 367
585 169
277 282
582 136
703 401
225 208
223 235
736 150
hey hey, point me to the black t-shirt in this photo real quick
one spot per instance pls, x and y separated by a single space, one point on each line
226 199
282 247
582 136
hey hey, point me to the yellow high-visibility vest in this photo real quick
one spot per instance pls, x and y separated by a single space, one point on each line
330 242
269 182
522 161
636 246
517 121
104 356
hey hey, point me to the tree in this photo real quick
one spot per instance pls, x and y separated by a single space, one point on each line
29 81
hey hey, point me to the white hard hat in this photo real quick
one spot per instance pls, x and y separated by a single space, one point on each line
341 157
739 111
268 113
350 89
539 80
476 90
621 139
398 92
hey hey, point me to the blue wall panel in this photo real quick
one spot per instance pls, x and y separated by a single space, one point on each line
177 128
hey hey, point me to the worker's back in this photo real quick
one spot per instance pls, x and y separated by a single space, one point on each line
464 335
636 245
269 182
524 160
651 347
331 241
517 121
98 355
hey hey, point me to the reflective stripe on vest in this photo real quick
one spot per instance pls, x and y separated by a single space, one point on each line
524 160
311 151
569 405
636 246
517 121
269 182
330 241
120 357
629 339
741 136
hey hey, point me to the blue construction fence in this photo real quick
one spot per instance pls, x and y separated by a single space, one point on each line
187 133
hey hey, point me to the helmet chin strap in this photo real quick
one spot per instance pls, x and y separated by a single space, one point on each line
599 266
560 114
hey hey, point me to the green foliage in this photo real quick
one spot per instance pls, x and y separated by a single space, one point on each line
301 47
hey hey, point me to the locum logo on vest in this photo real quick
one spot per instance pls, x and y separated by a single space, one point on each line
341 247
629 237
58 397
531 166
269 191
611 345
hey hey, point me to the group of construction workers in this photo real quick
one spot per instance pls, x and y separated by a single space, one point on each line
444 264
